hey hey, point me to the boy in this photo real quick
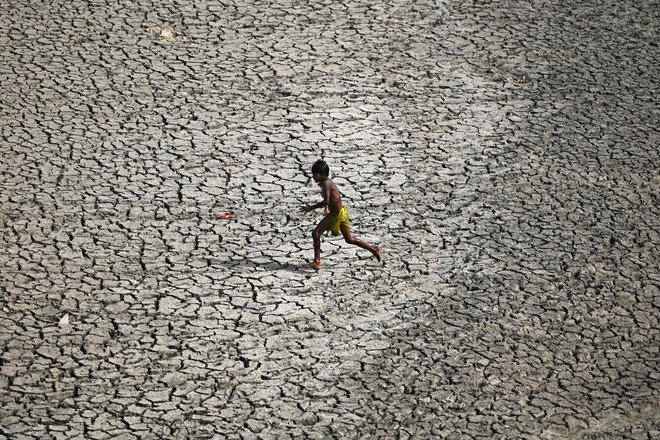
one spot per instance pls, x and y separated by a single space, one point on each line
336 215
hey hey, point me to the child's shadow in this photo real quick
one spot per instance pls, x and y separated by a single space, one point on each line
264 263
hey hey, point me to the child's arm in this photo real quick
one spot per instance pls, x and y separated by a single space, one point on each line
307 208
329 190
324 202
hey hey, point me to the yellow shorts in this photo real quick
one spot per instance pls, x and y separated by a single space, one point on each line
339 220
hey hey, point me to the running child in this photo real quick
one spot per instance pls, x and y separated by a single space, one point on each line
335 217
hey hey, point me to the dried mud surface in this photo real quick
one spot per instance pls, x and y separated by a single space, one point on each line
504 155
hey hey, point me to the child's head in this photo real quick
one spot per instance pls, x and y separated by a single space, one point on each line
321 168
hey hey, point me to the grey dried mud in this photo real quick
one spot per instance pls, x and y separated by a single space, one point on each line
503 154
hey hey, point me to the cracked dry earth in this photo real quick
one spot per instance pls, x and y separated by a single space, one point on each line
504 154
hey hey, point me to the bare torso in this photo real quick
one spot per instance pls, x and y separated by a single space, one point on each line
331 196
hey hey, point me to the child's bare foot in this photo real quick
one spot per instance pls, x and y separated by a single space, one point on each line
314 264
377 254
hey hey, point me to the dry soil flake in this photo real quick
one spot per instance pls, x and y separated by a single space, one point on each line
165 33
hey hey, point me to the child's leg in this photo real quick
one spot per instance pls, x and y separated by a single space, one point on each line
346 232
323 226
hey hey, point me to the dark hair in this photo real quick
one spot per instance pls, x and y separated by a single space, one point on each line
321 167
